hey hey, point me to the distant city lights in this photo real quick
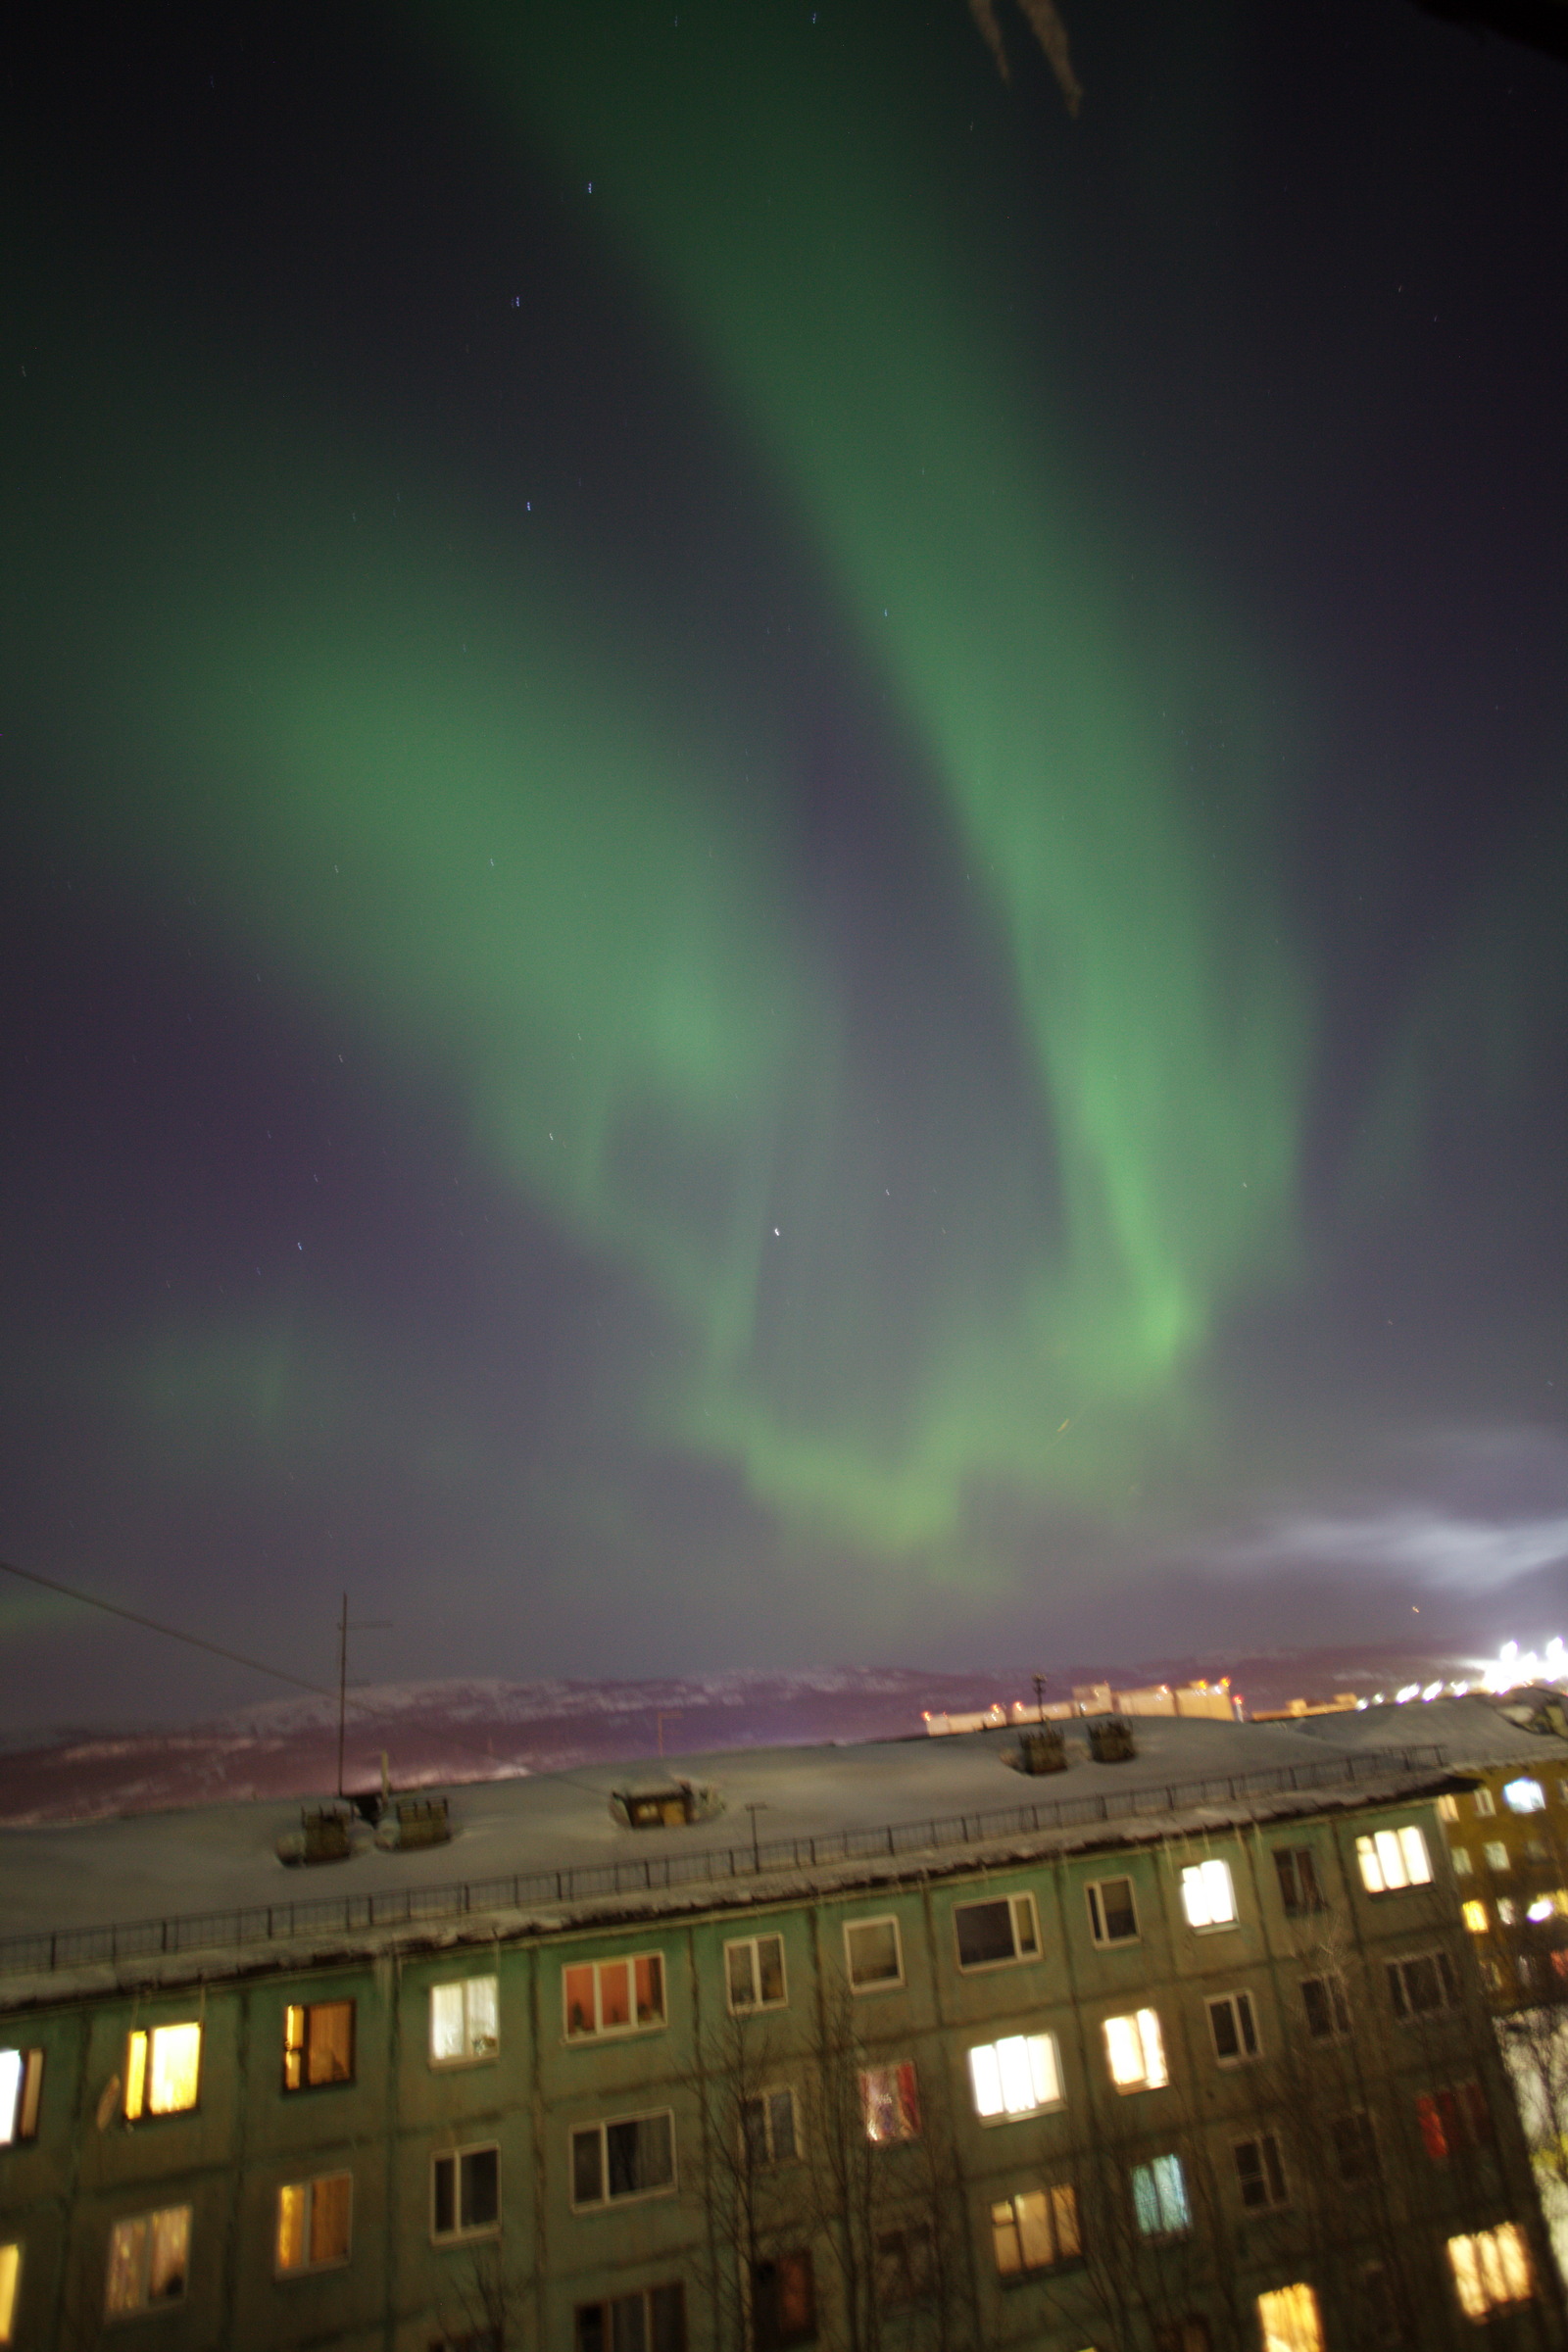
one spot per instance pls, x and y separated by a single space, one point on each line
1509 1670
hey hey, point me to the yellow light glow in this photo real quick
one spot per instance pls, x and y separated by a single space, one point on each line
135 2075
175 2070
1475 1918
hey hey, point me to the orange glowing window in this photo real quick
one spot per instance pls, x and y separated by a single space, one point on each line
613 1996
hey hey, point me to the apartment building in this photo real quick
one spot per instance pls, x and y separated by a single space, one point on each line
1184 2051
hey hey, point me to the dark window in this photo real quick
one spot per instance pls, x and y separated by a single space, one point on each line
465 2192
1183 2336
1355 2149
1422 1986
784 2301
1232 2026
768 2125
317 2044
906 2266
1260 2172
653 2320
629 2158
989 1932
1297 1875
1112 1913
1328 2012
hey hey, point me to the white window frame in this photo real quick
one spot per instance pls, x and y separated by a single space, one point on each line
462 2233
147 2222
763 2097
1393 1861
308 2268
854 1926
1239 2004
1144 2030
606 2202
1208 1896
1497 1857
20 2091
1021 1914
598 2031
1009 2063
1096 1913
472 2053
1271 2172
750 1945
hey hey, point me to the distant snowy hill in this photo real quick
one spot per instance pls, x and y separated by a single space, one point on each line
487 1730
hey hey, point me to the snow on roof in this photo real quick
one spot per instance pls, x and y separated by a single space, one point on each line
221 1857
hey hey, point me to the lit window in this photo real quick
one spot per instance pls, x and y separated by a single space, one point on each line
1448 1808
1496 1855
1328 2012
1017 2076
1208 1896
1112 1913
1507 1912
613 1996
465 2021
1260 2173
162 2069
1159 2197
1232 2028
1297 1870
1524 1796
465 2193
1475 1917
783 2302
754 1973
632 2157
20 2088
317 2044
890 2103
1453 2121
874 1954
312 2223
1035 2229
1289 2319
1393 1858
1491 2269
651 2320
148 2258
1482 1802
1355 2147
906 2266
769 2130
10 2280
992 1933
1135 2051
1420 1987
1459 1855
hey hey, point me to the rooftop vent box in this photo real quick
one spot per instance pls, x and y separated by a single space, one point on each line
669 1807
410 1821
1043 1750
1110 1740
325 1834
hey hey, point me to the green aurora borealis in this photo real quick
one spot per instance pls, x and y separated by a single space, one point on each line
899 1042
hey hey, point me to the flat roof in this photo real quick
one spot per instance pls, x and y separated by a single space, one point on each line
920 1794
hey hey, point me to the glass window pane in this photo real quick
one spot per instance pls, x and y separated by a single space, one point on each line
170 2244
329 2027
10 2095
444 2201
1017 2074
770 1965
738 1965
173 2068
579 1996
1289 2319
666 2310
628 2325
10 2275
874 1952
445 2021
1124 2049
291 2203
650 1990
127 2263
984 1933
1005 2240
484 2016
331 2208
135 2074
781 2116
480 2187
985 2074
1064 2212
614 1994
1413 1855
1034 2229
587 2168
1154 2050
1390 1861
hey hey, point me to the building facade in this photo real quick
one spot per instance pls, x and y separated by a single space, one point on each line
1200 2079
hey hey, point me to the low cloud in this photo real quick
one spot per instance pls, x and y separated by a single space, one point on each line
1433 1546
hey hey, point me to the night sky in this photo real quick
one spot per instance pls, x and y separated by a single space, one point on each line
783 844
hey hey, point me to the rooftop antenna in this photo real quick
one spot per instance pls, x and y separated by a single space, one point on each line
365 1625
1040 1696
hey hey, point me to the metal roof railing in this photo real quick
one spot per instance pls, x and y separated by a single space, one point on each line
350 1914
